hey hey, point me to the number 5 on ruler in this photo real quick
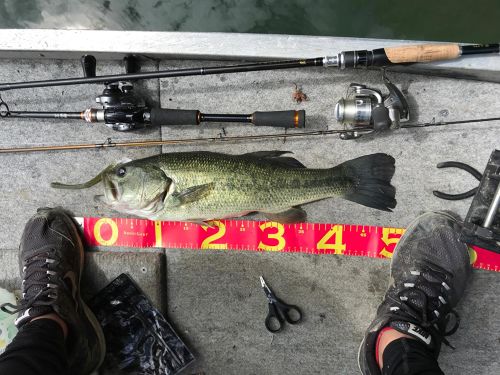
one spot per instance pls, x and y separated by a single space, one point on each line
389 241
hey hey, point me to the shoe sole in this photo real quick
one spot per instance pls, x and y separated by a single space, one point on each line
359 354
86 310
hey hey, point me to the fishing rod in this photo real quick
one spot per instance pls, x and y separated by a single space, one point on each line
122 110
363 111
349 59
109 143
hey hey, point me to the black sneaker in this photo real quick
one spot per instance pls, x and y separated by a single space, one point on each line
51 261
429 271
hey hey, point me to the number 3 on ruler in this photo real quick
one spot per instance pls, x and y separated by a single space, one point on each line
278 236
221 231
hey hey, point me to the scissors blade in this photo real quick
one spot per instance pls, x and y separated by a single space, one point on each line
267 290
263 282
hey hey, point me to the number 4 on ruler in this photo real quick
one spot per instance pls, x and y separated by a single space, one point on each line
338 246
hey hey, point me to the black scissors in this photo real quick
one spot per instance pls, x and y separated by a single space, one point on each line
279 311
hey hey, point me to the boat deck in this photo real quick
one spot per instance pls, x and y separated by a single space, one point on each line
213 298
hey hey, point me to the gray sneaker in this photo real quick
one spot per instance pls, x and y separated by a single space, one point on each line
429 272
51 262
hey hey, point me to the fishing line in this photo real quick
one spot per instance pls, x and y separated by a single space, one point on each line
109 143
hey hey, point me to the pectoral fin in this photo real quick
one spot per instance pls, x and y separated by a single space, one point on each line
292 215
202 223
192 194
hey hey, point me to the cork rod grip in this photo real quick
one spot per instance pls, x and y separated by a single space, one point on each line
422 53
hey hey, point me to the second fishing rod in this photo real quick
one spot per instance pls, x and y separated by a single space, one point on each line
348 59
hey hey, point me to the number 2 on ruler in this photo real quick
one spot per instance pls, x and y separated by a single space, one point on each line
221 231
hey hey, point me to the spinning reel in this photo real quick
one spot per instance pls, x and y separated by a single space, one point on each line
365 108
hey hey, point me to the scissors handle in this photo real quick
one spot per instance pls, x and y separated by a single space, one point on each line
291 313
279 312
274 320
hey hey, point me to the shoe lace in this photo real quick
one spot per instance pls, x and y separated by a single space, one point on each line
40 283
432 312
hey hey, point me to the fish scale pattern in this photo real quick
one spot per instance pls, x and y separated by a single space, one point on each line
244 183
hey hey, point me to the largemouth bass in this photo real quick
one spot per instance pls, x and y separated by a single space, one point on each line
201 186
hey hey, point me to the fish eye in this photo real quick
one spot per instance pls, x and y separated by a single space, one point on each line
120 172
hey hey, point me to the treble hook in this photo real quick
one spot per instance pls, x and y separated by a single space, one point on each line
456 197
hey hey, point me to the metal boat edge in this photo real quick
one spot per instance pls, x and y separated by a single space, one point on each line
107 44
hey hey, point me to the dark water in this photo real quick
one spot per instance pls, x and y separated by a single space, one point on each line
447 20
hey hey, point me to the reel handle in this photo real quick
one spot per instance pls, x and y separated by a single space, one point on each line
280 119
161 116
422 53
411 54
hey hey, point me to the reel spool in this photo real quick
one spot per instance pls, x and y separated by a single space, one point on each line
121 109
367 108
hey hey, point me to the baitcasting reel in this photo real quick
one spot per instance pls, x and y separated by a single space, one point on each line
365 108
121 109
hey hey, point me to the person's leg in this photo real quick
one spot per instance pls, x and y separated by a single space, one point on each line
58 334
429 272
38 348
409 356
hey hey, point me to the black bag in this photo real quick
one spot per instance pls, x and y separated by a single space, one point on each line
139 339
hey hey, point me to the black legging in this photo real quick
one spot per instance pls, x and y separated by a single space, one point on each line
409 357
37 349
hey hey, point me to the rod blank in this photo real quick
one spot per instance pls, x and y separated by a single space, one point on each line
348 59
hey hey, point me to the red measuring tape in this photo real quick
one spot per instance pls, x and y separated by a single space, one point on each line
247 235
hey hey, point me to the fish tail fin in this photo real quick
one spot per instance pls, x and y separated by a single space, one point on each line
372 176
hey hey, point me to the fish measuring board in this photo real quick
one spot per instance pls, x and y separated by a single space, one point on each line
248 235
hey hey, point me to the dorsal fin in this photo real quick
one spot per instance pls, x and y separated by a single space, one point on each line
275 157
